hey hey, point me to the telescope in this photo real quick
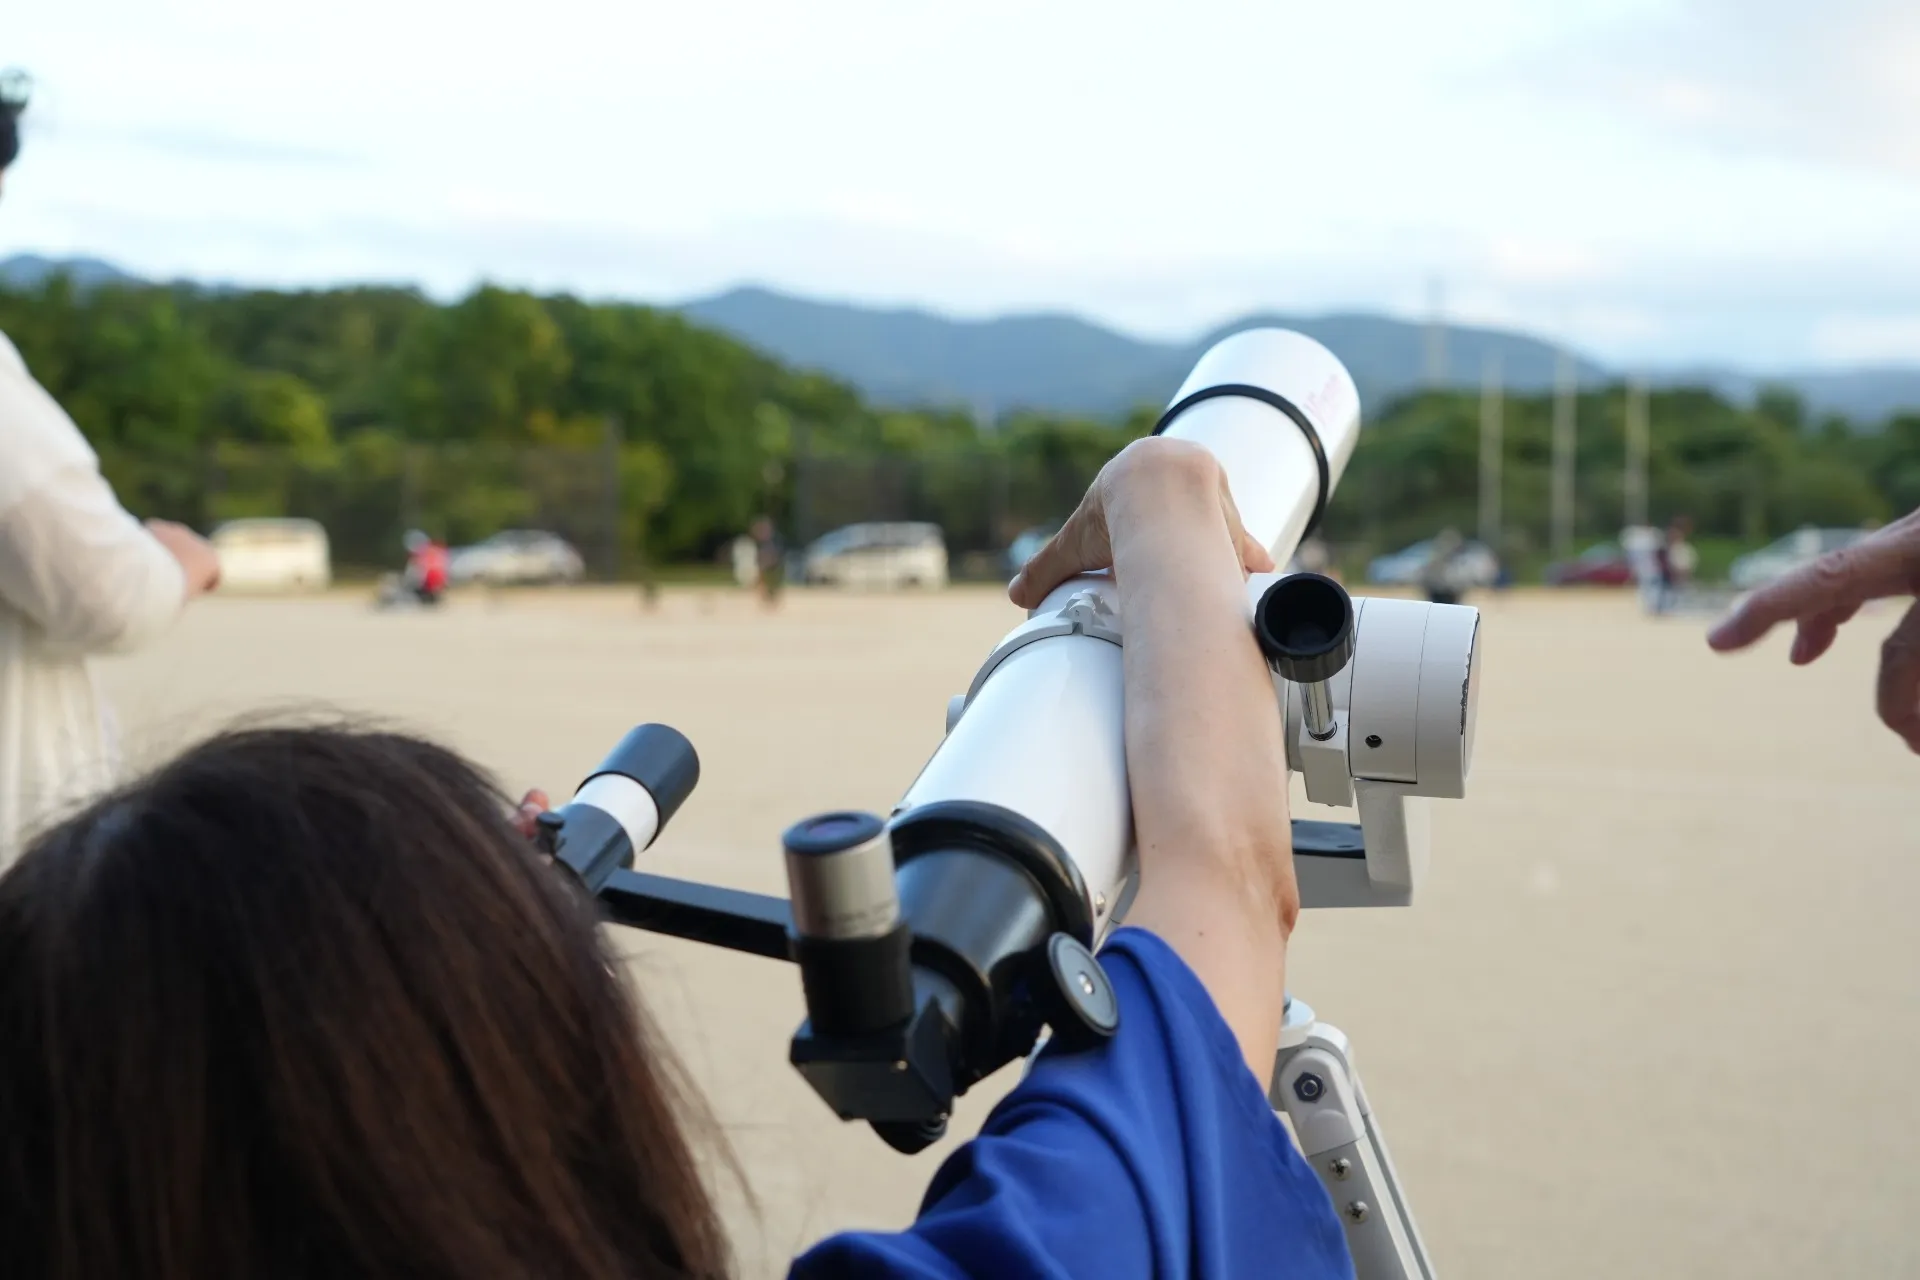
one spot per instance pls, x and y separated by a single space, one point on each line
940 943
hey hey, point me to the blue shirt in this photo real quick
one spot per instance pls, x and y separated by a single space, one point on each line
1157 1155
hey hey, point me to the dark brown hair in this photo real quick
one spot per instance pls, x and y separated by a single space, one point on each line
303 1004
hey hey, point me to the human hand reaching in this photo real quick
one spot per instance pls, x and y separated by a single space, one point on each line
1818 598
1123 497
526 818
199 562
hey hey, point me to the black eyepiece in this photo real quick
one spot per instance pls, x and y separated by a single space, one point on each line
1304 626
832 833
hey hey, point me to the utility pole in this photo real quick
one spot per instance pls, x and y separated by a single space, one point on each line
1637 439
1490 453
1563 440
612 518
1436 335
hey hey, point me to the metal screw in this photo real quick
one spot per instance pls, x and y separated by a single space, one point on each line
1373 739
1099 902
1341 1169
900 1065
1086 984
1309 1087
1359 1210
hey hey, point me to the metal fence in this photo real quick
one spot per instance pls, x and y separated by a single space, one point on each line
367 498
368 494
982 501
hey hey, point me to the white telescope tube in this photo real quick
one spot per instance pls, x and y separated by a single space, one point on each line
1042 730
626 802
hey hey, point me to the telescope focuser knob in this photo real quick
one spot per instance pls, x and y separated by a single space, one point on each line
1076 997
1304 626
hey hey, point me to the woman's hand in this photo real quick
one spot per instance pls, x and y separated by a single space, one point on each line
199 562
526 818
1818 597
1124 497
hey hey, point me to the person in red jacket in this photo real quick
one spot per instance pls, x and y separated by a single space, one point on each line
427 568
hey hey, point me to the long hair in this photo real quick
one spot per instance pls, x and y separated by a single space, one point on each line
303 1004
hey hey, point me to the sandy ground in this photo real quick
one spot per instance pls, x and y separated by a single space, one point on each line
1658 1013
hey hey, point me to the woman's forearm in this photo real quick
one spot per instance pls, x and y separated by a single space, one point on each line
1205 757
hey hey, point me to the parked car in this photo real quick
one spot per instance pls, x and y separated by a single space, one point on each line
517 557
1030 541
1476 566
883 556
273 555
1758 568
1602 565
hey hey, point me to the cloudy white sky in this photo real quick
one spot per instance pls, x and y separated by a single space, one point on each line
1655 180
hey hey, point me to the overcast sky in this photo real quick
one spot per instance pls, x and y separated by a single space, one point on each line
1656 181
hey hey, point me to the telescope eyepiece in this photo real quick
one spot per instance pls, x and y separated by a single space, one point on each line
830 833
1304 626
840 876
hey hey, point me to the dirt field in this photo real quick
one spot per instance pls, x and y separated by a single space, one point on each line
1657 1015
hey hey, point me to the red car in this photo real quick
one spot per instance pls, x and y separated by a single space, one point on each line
1605 565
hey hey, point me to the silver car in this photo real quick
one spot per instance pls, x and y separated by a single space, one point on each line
878 556
517 557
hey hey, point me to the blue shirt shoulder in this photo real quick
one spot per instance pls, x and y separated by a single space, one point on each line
1154 1156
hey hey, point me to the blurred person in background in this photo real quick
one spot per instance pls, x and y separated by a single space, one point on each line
308 1002
1641 544
771 560
746 562
1821 596
79 576
428 567
1676 561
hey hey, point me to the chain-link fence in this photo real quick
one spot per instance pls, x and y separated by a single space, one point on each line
368 497
982 501
368 494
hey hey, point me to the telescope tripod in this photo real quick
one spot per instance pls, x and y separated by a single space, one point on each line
1315 1086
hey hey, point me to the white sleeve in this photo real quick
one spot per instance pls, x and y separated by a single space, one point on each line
86 572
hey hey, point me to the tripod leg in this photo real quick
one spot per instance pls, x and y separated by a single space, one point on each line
1315 1085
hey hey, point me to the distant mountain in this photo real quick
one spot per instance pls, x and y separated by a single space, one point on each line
1866 395
1065 364
914 357
27 270
1388 357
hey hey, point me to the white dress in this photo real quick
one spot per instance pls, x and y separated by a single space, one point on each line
78 576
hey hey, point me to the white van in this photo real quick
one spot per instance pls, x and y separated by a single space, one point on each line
878 556
273 555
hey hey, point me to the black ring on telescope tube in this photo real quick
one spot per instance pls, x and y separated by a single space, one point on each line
1284 405
950 824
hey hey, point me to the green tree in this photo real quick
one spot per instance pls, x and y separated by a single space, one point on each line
491 367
